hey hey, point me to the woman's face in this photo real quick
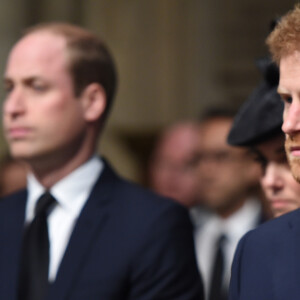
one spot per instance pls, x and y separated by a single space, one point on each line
281 189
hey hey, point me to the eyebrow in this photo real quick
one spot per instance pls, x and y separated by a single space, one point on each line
25 80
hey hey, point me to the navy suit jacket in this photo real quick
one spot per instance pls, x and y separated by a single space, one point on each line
267 261
127 244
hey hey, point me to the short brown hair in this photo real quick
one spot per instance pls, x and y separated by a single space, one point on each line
285 38
90 60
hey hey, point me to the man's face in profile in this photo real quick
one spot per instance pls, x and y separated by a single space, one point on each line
289 89
41 116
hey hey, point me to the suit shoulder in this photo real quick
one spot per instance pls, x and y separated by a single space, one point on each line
144 210
275 230
14 199
143 198
12 209
133 205
124 190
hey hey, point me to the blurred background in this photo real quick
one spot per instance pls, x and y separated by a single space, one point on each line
175 58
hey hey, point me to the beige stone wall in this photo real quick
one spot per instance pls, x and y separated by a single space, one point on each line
175 58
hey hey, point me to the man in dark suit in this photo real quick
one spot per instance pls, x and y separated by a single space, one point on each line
267 264
88 233
230 179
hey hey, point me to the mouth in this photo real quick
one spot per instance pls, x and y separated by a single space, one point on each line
16 133
279 203
294 151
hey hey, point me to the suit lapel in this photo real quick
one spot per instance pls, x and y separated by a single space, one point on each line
91 220
11 233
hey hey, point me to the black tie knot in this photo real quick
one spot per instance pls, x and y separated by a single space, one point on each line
44 203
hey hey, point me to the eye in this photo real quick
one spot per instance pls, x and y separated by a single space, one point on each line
262 161
287 99
38 86
8 87
259 158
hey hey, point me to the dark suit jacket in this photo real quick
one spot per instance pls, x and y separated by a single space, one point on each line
127 244
267 261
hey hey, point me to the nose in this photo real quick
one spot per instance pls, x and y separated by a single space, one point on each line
14 104
291 117
272 179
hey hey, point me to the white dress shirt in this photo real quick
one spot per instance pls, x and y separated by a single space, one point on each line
234 227
71 194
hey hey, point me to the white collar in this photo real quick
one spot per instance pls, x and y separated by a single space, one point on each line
238 223
71 192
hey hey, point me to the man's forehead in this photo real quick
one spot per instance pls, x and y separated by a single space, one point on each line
36 51
39 45
289 68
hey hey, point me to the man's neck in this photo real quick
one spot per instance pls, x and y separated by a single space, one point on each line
49 174
227 212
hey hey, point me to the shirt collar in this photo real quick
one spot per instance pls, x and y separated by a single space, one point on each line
71 192
244 219
238 223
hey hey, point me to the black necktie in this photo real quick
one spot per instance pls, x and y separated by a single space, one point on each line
33 280
216 292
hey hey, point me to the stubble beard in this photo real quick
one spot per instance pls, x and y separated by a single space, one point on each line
294 162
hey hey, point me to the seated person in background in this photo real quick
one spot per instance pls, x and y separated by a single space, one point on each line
230 181
257 125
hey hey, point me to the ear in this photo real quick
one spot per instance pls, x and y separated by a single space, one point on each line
93 100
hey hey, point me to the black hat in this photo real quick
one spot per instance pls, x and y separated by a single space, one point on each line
260 117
